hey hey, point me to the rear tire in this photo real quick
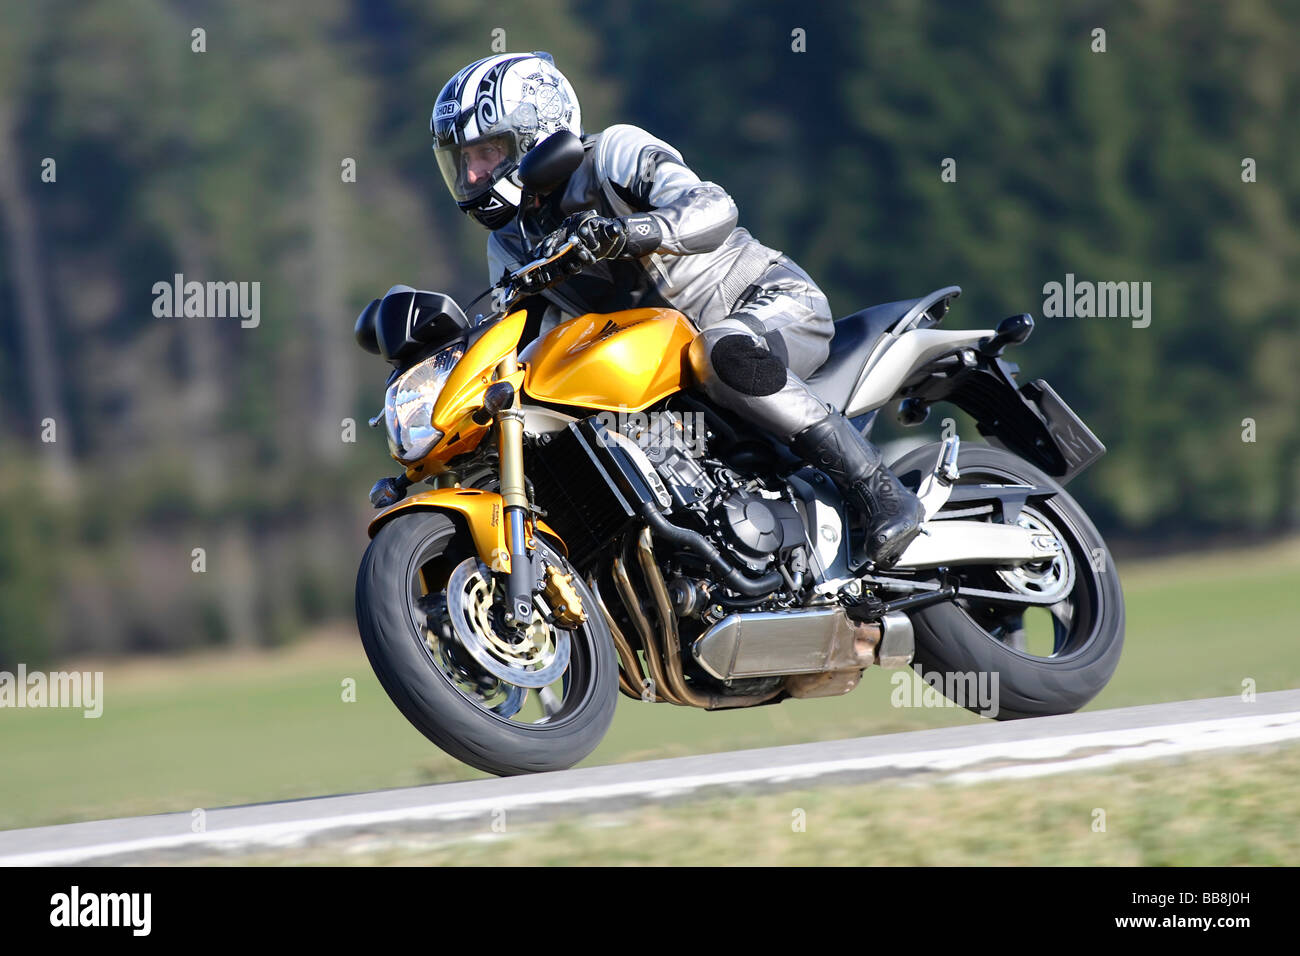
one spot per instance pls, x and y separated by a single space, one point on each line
950 639
398 647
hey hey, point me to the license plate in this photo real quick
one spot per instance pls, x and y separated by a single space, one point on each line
1078 446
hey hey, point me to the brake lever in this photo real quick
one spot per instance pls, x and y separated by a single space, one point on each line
560 253
509 291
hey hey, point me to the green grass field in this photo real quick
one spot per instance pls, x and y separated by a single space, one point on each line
211 731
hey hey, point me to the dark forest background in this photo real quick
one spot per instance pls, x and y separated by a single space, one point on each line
225 165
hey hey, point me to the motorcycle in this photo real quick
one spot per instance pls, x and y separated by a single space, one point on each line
591 527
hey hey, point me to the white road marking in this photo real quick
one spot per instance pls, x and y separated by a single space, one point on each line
1028 758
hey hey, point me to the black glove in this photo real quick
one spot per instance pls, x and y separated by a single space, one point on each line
554 272
627 237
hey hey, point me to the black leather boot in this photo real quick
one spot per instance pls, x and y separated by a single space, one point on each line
893 513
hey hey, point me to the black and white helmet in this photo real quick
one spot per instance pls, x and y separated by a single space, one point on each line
485 119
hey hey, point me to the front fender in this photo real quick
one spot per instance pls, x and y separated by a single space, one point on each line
481 512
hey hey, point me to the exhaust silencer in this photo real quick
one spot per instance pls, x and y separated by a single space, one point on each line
768 644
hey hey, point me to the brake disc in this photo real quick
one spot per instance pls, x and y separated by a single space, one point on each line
535 655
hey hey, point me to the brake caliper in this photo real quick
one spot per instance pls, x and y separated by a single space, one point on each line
563 599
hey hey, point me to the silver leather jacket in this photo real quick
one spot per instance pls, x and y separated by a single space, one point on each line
703 265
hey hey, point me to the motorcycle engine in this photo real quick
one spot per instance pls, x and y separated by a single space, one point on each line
757 527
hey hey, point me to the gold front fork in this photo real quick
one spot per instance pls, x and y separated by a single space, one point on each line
511 448
510 422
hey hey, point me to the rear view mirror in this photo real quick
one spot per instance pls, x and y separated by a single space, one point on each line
551 162
367 334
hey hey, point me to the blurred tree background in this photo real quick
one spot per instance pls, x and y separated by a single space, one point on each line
179 434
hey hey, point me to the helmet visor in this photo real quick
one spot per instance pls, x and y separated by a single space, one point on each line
471 169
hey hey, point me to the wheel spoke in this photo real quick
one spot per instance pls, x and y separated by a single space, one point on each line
1015 637
550 703
1063 611
513 703
1063 618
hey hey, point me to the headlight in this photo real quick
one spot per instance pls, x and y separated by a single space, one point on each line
408 405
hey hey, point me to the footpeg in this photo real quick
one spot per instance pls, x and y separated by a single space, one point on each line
937 486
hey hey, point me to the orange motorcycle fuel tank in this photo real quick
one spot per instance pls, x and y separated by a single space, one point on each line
619 361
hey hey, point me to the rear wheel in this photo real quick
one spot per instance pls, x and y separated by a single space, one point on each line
503 700
1047 659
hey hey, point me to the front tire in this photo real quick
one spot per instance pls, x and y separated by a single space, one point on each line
414 653
971 637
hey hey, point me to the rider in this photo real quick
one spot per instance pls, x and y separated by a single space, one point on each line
653 234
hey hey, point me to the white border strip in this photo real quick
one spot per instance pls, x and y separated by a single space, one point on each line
1046 756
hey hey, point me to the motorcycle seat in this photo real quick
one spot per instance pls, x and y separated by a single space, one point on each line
856 335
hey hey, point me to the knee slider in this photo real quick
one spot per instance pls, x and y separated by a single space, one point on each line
746 366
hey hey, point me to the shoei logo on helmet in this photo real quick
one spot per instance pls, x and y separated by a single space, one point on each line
446 110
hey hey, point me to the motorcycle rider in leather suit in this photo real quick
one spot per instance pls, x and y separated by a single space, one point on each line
653 234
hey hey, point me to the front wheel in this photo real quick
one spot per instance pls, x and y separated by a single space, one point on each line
1034 661
504 701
